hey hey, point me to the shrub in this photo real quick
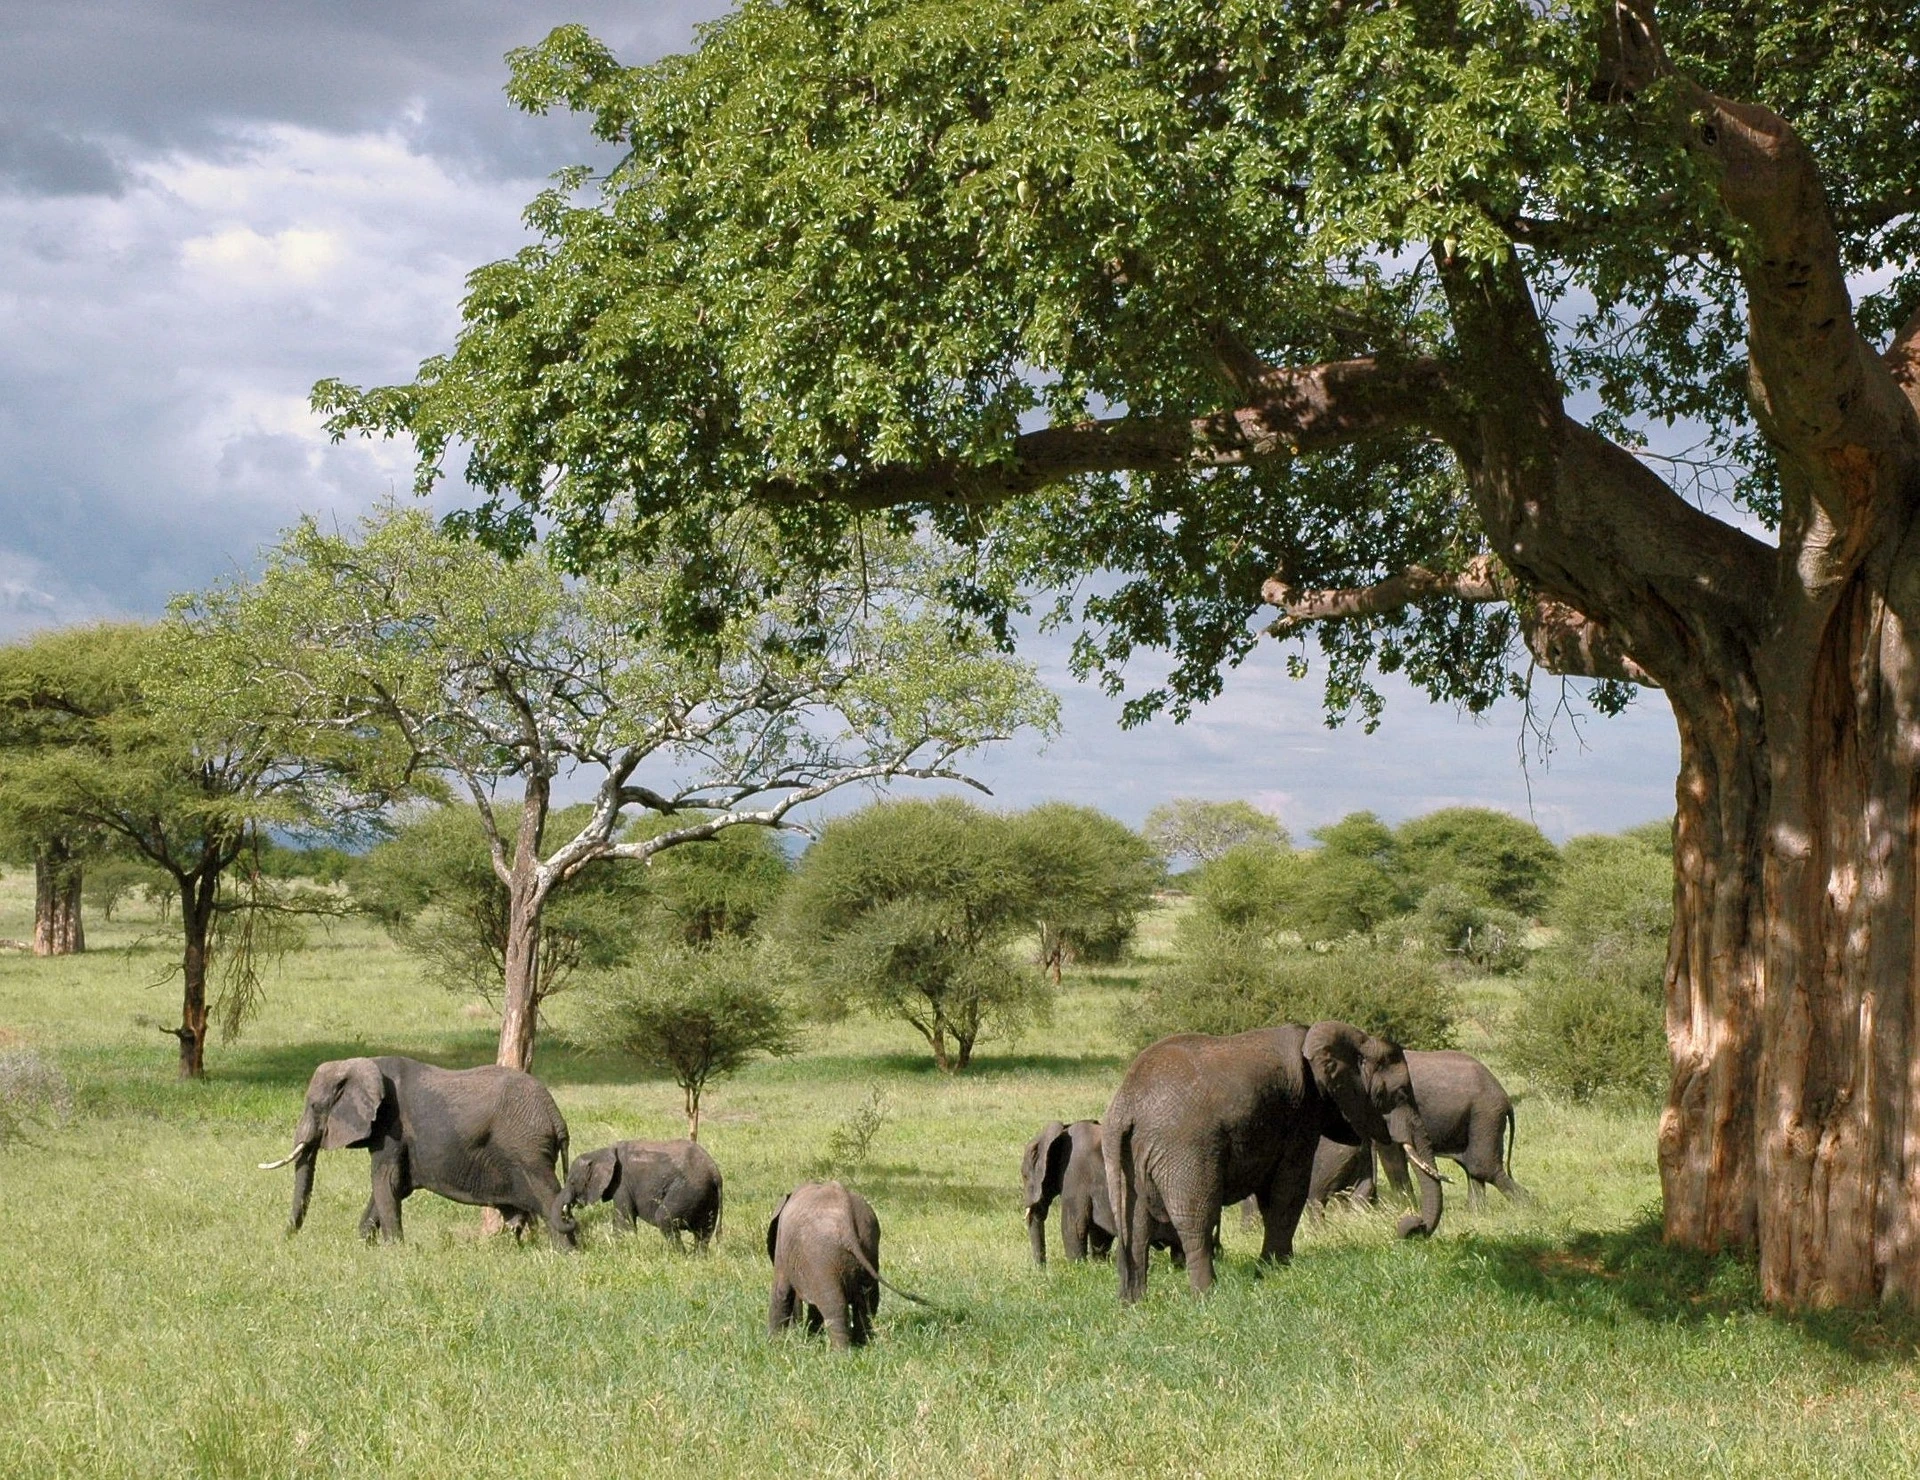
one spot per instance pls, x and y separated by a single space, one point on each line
726 885
847 1148
1591 1023
1496 858
1089 876
1248 887
1230 980
1451 921
33 1092
906 909
695 1013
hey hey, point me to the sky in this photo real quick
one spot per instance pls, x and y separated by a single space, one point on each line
208 205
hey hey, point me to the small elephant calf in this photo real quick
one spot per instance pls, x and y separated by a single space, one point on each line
674 1185
1068 1162
824 1242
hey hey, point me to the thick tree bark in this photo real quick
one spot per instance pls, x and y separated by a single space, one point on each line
57 926
197 896
527 889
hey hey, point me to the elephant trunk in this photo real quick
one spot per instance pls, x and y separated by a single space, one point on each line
1410 1131
307 1156
1037 1233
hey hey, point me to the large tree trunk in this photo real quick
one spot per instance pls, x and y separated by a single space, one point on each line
526 900
57 927
196 923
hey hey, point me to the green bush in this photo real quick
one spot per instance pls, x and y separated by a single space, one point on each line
1497 859
1230 980
1591 1023
1248 887
1089 876
1452 922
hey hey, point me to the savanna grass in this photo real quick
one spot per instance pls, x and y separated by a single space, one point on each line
154 1320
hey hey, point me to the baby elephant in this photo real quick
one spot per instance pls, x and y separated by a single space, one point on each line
824 1242
1065 1162
674 1185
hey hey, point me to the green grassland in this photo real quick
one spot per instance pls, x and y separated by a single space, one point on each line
155 1320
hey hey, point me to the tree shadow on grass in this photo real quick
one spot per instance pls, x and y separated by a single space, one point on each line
1632 1272
919 1065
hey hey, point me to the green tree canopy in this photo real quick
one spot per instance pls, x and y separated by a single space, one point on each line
1460 338
717 887
1492 855
117 742
427 659
1089 877
1199 830
433 885
907 909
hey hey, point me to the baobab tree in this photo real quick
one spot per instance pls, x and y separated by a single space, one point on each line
1371 314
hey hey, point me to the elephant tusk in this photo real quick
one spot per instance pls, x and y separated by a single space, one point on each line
274 1166
1424 1167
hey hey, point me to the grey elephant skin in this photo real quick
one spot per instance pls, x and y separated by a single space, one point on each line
1200 1121
489 1136
1470 1118
1067 1164
824 1241
674 1185
1338 1171
1064 1164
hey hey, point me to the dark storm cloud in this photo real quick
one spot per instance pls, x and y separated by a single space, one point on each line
38 160
107 80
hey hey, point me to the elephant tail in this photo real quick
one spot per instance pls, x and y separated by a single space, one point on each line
860 1258
1130 1231
1507 1160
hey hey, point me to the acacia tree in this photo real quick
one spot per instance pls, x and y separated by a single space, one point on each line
494 674
126 753
1192 827
1366 313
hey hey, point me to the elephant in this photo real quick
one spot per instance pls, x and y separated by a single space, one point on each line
489 1136
1201 1120
824 1241
1068 1163
674 1185
1338 1171
1468 1115
1065 1162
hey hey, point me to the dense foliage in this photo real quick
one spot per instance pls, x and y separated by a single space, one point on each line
696 1013
1494 856
1089 877
908 910
1591 1021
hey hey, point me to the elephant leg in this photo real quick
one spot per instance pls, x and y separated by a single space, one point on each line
384 1205
623 1211
369 1222
1196 1227
1073 1229
815 1319
1512 1190
1037 1232
780 1308
1283 1202
1393 1161
840 1322
1476 1193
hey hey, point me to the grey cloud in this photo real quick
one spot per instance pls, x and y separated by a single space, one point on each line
38 160
183 74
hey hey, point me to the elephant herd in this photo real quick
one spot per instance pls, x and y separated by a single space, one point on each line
1278 1119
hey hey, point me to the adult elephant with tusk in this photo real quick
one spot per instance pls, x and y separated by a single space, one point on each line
1200 1121
489 1136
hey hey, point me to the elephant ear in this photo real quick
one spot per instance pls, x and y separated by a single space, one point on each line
350 1120
1044 1167
603 1176
773 1228
1333 1052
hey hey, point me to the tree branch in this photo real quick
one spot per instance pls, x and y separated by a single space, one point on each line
1560 638
1290 411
